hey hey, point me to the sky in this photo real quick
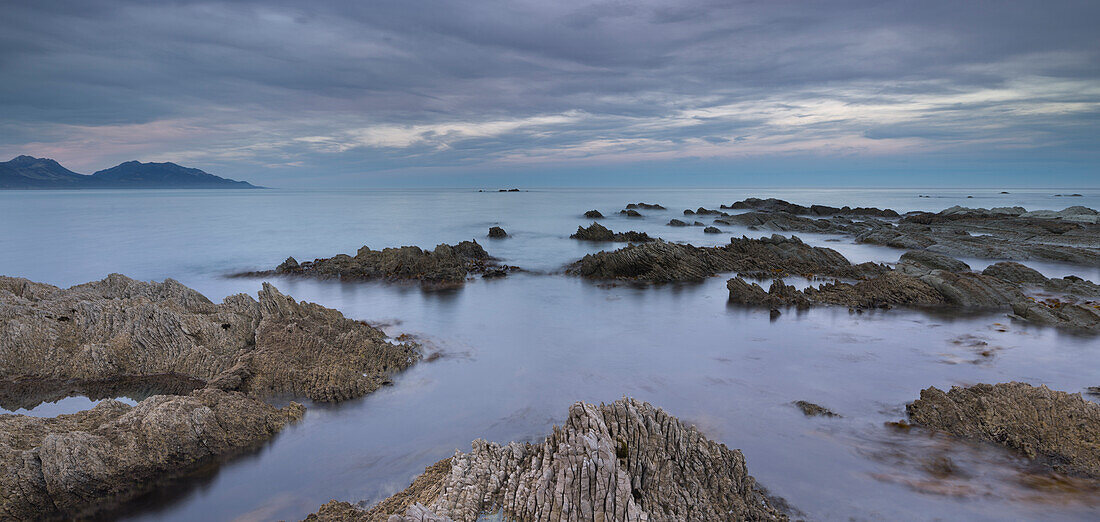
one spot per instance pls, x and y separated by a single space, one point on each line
348 93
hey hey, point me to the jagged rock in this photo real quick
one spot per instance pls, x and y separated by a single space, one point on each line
707 212
1055 428
497 233
630 213
445 266
78 465
593 214
598 232
810 409
647 206
119 327
676 223
712 230
621 461
660 261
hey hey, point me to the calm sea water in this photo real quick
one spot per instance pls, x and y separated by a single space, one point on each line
518 351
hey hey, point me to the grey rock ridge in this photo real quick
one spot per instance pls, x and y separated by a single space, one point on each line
661 261
82 464
927 279
446 266
1071 235
121 328
26 172
1058 429
621 461
598 232
778 205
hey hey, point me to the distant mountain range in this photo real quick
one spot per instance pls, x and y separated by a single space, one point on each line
26 172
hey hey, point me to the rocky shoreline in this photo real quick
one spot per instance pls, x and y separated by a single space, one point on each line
206 368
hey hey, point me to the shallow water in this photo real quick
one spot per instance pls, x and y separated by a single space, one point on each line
64 406
517 351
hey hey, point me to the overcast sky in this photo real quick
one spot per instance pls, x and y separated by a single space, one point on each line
466 93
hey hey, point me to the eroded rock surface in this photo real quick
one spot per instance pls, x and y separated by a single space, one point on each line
621 461
122 328
1055 428
445 266
661 261
598 232
73 466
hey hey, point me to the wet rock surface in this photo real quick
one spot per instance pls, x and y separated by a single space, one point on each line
77 465
621 461
598 232
446 266
927 279
1054 428
121 328
661 261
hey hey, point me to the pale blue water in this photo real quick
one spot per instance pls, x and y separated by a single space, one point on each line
519 350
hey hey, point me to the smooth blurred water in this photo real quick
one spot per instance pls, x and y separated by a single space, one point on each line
517 351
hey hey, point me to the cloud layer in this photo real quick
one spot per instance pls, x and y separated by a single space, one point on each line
350 93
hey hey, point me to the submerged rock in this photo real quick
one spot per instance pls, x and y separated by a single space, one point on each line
497 233
598 232
810 409
445 266
621 461
81 464
630 213
660 261
712 230
1055 428
676 223
121 328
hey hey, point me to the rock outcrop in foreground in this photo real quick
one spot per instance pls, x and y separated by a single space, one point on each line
122 328
927 279
598 232
1055 428
621 461
660 261
78 465
445 266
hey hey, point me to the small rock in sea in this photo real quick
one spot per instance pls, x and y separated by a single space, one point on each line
697 224
712 230
1004 192
1093 390
810 409
676 223
689 212
774 314
593 214
497 233
509 190
647 206
630 213
969 197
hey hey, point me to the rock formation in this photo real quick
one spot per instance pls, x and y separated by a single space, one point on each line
927 279
621 461
445 266
119 327
1055 428
630 213
497 233
660 261
598 232
593 214
778 205
77 465
646 206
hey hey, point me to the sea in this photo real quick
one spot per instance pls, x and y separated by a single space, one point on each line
508 356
